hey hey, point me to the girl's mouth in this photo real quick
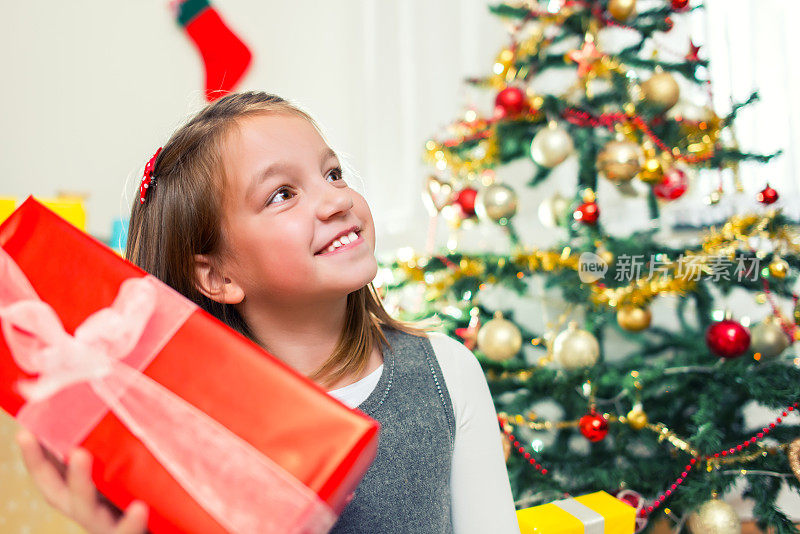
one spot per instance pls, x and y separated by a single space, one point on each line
343 247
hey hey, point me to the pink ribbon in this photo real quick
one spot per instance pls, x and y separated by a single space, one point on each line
83 375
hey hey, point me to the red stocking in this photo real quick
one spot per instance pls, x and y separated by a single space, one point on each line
225 57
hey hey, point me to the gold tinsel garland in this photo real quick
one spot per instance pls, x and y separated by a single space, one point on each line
664 434
734 235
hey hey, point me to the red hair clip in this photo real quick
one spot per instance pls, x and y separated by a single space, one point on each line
147 177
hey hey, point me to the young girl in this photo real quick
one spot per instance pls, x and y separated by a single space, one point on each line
247 213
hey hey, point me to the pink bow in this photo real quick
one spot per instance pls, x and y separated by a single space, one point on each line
98 368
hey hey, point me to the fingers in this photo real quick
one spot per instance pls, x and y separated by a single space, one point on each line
77 497
43 472
82 493
135 519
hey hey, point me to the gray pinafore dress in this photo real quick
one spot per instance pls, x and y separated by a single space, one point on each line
406 490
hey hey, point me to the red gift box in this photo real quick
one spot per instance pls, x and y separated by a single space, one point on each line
308 441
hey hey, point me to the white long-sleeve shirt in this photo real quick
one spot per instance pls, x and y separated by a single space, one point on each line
481 493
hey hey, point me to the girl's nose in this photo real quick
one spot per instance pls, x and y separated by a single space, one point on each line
334 200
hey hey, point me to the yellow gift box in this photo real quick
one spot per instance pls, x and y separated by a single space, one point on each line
7 206
595 513
70 208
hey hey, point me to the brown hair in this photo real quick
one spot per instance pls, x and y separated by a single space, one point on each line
182 216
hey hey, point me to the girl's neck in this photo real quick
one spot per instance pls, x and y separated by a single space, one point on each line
303 337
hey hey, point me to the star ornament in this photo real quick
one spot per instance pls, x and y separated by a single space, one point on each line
586 57
693 54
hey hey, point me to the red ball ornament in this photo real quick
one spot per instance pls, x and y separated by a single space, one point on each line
636 501
673 184
679 5
509 101
587 213
466 201
727 338
593 426
767 196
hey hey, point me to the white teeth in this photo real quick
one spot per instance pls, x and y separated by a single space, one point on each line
344 240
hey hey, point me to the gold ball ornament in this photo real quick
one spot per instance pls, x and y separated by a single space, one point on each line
768 338
499 339
794 457
637 418
661 90
553 209
506 447
496 202
778 268
634 318
715 517
621 9
575 348
551 145
620 160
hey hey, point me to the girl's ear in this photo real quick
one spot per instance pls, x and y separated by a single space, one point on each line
211 283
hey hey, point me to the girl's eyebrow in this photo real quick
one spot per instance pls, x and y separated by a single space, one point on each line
281 167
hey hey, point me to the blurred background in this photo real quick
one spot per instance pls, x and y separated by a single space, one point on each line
91 88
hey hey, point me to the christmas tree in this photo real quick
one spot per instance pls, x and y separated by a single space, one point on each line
608 395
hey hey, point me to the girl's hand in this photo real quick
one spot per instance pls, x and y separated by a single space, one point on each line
77 496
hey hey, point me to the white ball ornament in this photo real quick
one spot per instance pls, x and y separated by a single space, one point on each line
768 338
496 202
551 145
553 209
499 339
575 348
715 517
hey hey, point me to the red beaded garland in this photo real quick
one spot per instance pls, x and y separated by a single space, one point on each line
646 511
661 498
581 118
593 426
520 449
727 338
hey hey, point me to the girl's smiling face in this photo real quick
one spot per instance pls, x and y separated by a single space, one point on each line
285 201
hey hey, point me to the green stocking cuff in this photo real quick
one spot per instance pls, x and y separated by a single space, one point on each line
189 9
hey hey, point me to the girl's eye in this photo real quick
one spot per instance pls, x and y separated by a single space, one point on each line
336 171
278 193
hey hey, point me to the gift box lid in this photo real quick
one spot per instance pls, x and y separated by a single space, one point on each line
595 513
